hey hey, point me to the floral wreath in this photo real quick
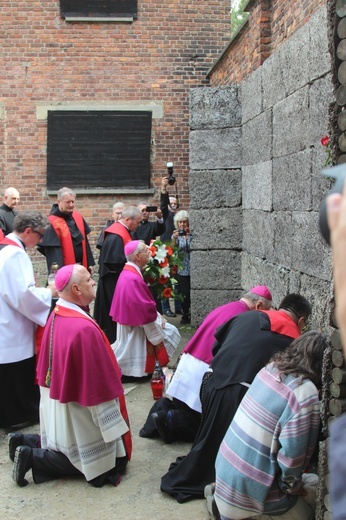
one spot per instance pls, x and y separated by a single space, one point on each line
164 261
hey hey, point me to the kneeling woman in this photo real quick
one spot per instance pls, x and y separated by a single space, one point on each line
267 448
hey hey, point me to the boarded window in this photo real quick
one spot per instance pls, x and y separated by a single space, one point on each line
98 8
98 149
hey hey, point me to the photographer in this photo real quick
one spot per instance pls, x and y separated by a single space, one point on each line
172 207
182 238
149 230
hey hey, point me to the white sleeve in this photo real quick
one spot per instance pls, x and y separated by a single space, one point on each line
154 332
18 287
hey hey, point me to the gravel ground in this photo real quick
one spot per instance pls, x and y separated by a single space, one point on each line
137 497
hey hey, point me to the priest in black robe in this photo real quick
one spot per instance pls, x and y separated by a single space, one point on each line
243 346
7 210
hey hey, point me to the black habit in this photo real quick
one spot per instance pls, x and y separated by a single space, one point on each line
243 346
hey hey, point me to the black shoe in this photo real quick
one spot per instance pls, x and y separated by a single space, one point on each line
169 313
185 320
22 426
162 428
15 439
22 464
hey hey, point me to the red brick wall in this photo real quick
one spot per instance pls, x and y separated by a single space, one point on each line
270 23
158 58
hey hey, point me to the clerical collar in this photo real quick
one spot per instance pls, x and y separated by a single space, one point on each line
70 305
57 213
15 237
136 267
125 226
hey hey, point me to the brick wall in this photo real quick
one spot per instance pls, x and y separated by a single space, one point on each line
157 58
270 23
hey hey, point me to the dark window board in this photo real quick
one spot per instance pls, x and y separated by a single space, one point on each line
116 9
97 149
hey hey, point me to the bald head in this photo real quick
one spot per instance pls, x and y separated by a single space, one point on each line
11 197
78 286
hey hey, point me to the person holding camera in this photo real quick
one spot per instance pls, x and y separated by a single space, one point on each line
172 205
169 207
182 238
149 230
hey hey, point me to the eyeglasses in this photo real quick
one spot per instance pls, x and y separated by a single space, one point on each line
41 235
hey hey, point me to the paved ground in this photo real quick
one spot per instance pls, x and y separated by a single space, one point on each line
138 497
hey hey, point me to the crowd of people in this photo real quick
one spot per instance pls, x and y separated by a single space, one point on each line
245 393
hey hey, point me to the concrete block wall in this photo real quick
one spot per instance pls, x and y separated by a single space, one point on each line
285 113
273 232
215 198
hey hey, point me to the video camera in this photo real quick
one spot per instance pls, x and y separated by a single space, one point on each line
171 178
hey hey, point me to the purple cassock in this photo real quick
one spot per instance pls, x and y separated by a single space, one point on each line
201 343
132 304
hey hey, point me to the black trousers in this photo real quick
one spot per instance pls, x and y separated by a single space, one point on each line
51 465
184 287
19 395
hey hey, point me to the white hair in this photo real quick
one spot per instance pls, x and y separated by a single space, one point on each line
141 246
118 205
65 191
181 215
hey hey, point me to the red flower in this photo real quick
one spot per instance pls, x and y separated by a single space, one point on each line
152 250
167 293
174 269
325 140
164 262
162 280
150 279
169 250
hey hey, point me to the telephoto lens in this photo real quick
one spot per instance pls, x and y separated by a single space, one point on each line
171 178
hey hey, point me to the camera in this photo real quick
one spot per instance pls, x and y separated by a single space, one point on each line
171 178
181 232
151 209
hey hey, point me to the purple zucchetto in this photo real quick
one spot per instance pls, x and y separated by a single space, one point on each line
262 290
63 276
130 247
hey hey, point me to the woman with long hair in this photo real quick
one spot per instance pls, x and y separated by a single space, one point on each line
267 448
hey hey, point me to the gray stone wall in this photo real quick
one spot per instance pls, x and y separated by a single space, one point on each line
255 182
215 181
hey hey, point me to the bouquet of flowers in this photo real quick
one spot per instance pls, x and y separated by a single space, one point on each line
165 259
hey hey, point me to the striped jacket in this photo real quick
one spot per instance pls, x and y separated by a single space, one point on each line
267 446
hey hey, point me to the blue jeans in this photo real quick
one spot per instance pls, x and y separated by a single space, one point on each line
166 306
